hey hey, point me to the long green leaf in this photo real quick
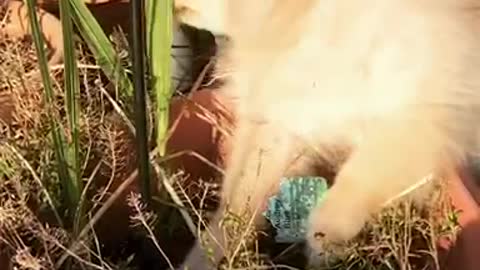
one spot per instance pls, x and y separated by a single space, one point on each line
159 42
72 94
56 131
101 46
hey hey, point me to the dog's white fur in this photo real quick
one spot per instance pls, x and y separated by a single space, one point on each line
398 80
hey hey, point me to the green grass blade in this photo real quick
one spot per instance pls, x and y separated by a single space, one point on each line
72 94
101 46
159 42
56 131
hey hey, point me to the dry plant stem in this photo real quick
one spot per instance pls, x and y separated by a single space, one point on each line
433 246
119 110
37 179
83 196
247 231
175 197
204 196
193 154
99 252
48 238
79 65
217 77
113 172
71 253
197 231
131 178
112 101
127 182
201 76
88 147
410 189
175 124
97 256
209 118
150 232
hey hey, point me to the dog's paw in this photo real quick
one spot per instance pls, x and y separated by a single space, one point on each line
335 221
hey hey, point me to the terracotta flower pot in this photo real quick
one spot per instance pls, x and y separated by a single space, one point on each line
200 123
194 132
464 253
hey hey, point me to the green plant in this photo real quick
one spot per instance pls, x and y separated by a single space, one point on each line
101 47
159 40
56 132
65 122
72 93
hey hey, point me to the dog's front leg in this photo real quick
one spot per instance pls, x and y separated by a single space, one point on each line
394 156
260 154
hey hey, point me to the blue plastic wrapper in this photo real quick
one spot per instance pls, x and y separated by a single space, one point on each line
288 210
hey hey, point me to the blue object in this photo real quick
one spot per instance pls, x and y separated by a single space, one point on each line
288 211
